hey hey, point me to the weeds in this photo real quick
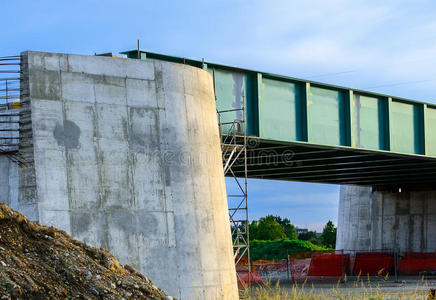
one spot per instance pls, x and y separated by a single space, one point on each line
361 289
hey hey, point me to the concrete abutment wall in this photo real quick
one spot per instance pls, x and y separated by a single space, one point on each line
126 156
9 182
372 220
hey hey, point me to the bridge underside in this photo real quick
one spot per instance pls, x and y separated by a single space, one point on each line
334 165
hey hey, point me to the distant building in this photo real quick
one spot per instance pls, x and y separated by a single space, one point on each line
301 230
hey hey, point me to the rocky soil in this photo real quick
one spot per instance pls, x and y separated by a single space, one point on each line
40 262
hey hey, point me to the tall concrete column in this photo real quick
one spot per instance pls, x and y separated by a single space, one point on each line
8 182
375 220
125 154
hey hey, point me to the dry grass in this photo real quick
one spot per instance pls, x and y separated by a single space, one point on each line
359 290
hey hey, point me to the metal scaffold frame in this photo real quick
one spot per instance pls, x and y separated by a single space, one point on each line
10 71
234 152
11 94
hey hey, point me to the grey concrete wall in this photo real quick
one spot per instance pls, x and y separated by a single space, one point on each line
9 139
8 182
126 156
373 220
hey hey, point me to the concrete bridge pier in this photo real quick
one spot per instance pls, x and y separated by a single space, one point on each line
375 220
125 154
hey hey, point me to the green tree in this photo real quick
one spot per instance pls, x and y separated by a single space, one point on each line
290 231
234 228
254 229
315 241
328 236
266 229
279 249
307 236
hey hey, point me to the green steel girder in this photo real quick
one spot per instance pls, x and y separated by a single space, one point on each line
336 134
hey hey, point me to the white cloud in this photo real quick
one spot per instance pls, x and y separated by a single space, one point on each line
382 42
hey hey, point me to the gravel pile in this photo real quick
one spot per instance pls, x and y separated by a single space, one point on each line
40 262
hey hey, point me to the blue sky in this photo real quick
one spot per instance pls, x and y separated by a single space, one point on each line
384 46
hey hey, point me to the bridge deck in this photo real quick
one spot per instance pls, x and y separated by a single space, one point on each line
329 134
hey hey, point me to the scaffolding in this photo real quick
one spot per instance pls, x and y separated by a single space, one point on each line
10 100
10 82
234 152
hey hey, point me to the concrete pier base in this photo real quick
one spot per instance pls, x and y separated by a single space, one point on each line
9 182
373 220
125 154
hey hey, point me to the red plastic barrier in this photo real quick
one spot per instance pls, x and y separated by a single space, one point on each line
414 263
373 263
246 279
328 265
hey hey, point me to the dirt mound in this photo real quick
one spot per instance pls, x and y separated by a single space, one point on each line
40 262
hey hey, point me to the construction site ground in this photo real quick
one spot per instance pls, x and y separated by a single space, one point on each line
39 262
405 287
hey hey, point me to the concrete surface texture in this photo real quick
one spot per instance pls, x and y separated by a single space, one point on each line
126 155
374 220
9 182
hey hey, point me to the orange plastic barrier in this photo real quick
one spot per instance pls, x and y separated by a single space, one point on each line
328 265
299 268
331 266
246 279
413 263
373 263
271 266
